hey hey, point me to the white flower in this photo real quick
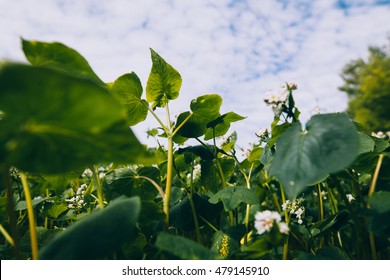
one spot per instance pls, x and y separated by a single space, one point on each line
295 208
87 173
197 170
350 197
292 85
283 228
285 205
379 134
265 220
262 133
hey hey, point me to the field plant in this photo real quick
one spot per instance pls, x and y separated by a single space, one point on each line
77 184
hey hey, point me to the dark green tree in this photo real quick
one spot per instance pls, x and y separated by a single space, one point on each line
367 84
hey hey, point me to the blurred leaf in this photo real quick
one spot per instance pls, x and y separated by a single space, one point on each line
128 89
231 197
21 205
97 234
56 210
164 82
51 125
58 56
329 144
183 248
199 150
380 205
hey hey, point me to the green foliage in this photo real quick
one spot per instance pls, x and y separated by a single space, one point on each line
367 83
109 228
315 192
329 144
164 82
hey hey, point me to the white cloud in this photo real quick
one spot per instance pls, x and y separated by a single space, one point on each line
239 49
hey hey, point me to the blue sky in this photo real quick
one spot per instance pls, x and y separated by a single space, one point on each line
239 49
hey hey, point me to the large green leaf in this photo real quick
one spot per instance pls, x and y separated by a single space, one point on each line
329 144
96 235
58 56
55 122
183 248
221 125
128 89
380 207
204 109
231 197
164 82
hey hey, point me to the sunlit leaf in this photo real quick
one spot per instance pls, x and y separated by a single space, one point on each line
164 82
128 89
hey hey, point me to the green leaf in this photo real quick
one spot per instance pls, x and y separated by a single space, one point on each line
96 235
164 82
199 150
204 109
58 56
366 144
221 125
231 197
329 144
56 210
223 244
55 122
128 89
22 205
380 205
183 248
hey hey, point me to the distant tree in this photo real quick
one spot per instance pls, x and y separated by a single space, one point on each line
367 84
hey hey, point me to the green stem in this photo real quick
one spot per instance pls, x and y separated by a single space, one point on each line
13 222
248 185
287 220
370 193
193 209
158 119
320 210
7 236
99 188
208 223
31 218
181 125
168 184
160 190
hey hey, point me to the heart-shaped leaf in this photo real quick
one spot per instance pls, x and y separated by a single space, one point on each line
164 82
204 109
231 197
128 89
329 144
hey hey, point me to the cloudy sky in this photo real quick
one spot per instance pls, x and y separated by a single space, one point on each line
239 49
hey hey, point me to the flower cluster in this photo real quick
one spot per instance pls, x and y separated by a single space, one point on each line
195 172
295 208
265 220
77 201
381 134
277 99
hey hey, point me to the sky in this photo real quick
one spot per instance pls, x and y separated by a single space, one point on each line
239 49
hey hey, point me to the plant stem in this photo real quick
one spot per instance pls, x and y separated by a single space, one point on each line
168 184
370 193
160 190
7 236
193 209
31 219
99 189
320 210
287 220
248 185
13 223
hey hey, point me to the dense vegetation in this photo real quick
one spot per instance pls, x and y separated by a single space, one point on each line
77 184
